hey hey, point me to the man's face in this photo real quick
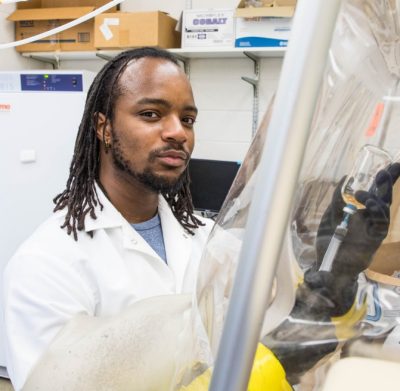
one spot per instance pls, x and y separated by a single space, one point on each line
152 132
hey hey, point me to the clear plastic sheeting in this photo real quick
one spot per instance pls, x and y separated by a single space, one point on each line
315 317
359 105
318 317
216 274
136 350
219 261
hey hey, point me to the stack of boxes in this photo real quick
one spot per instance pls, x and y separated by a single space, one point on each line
111 30
265 26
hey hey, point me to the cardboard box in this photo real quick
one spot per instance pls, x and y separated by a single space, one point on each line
264 26
208 28
63 3
285 3
277 8
30 22
76 3
386 260
29 4
134 29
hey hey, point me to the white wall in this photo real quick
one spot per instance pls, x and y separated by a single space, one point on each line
224 126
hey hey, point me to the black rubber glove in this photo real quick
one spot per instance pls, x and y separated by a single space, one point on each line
367 227
308 334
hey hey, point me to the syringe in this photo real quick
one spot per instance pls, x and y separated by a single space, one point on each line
337 239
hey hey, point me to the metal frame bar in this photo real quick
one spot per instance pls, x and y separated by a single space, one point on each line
186 63
55 63
255 82
297 94
103 56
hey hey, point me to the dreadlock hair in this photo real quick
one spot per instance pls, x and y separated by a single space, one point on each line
80 196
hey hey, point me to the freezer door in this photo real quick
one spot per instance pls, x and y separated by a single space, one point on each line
38 131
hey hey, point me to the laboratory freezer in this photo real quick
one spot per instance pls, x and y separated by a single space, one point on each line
40 112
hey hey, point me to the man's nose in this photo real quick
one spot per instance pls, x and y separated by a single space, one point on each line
173 130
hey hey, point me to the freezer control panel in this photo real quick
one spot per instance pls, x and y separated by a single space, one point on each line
51 82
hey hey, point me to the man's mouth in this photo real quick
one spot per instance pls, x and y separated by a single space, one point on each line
173 158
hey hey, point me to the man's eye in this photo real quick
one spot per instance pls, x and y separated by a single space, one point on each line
149 114
189 121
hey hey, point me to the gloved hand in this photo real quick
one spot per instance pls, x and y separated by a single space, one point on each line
325 310
367 227
307 334
310 332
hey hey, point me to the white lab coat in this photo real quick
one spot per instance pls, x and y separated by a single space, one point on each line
52 278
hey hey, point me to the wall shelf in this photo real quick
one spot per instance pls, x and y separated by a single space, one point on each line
229 52
55 57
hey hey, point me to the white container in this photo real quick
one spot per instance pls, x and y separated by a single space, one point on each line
208 28
262 32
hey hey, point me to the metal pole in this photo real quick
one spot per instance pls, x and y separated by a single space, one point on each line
298 89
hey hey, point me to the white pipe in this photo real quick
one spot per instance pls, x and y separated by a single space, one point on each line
65 26
287 135
10 1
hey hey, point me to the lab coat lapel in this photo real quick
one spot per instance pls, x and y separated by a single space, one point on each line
110 217
106 216
178 244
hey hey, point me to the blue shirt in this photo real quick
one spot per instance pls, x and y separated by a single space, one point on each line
151 232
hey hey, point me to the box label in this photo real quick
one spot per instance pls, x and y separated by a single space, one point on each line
260 42
105 29
204 28
262 32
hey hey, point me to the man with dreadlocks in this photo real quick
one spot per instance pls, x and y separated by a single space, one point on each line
124 228
99 297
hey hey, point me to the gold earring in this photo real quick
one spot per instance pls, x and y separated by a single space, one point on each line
107 145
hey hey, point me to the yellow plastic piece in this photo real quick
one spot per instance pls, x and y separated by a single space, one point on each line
267 374
201 382
345 324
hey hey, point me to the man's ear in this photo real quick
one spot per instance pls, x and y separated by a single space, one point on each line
103 129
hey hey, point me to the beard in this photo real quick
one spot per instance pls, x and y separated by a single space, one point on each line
157 183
